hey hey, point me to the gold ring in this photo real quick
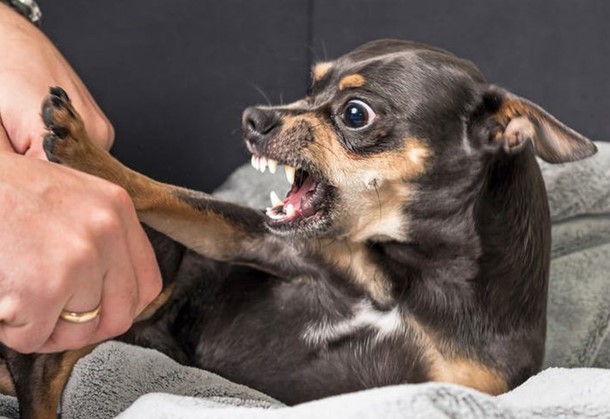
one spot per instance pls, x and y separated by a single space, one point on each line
82 317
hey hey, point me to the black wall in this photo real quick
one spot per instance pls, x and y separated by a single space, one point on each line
173 76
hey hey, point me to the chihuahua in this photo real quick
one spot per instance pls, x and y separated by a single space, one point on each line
412 246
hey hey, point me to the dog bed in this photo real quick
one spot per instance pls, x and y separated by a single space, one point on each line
119 379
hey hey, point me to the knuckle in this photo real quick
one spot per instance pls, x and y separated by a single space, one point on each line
83 250
55 288
119 196
105 221
10 306
104 130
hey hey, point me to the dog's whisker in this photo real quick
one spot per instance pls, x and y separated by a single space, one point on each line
263 94
327 148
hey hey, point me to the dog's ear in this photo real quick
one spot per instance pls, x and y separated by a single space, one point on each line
512 122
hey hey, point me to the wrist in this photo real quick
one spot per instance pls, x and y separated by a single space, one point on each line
26 8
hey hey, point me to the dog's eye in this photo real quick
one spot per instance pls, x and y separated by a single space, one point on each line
358 114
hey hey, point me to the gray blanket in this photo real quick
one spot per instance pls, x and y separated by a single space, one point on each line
113 377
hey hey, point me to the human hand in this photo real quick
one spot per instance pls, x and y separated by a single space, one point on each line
68 241
28 66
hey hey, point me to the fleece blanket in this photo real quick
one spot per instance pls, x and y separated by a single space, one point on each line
130 382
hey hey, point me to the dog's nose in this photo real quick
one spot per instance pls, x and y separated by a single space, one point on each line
257 123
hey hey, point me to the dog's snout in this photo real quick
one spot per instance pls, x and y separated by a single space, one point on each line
257 123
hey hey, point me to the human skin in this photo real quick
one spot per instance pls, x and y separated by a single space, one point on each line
68 241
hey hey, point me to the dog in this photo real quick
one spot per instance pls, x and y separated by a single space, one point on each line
413 244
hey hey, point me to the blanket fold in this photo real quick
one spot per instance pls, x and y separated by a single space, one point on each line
554 393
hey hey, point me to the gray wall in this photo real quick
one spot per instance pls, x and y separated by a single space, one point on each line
174 75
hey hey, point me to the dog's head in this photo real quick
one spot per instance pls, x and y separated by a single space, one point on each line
378 120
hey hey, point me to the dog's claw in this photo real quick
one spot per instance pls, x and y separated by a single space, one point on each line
65 127
59 92
48 144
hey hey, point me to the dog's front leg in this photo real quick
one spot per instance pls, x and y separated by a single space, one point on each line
216 229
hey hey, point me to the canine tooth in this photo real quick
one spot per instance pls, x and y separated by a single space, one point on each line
255 162
272 165
290 171
289 210
263 164
275 200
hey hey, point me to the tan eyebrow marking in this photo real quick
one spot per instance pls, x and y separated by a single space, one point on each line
321 69
353 80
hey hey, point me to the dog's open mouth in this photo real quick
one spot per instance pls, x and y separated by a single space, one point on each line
307 199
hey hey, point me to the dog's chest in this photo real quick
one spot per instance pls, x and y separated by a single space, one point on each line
314 337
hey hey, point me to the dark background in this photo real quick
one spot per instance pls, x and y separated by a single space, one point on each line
174 75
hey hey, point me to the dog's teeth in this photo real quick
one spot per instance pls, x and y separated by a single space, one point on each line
263 164
255 162
272 165
271 214
290 171
275 200
289 210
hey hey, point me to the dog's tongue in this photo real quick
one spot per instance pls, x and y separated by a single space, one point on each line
300 198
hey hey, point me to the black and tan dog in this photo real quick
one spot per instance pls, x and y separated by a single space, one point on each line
413 245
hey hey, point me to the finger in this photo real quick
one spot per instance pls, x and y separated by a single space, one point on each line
118 305
119 292
17 330
5 142
24 334
20 327
119 289
21 119
147 274
69 335
28 131
24 339
97 125
143 259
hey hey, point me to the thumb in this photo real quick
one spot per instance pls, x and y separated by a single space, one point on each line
25 138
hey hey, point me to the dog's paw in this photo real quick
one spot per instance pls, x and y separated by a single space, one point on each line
66 132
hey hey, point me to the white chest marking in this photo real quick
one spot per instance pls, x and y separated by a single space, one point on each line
383 323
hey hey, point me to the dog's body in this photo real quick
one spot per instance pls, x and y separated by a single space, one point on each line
413 245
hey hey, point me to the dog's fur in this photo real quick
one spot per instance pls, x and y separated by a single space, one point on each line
422 254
